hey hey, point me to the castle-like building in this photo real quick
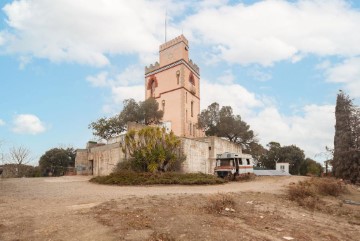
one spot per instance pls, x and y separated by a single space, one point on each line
174 82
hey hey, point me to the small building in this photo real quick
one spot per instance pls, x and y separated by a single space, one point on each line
282 167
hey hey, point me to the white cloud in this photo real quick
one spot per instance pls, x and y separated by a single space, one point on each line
85 31
2 123
125 85
311 131
99 80
259 74
348 73
227 78
275 30
28 124
311 128
240 99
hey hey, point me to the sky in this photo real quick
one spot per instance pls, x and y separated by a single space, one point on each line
279 64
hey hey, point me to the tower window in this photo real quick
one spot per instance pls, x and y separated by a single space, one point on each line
152 84
192 108
186 116
191 79
178 76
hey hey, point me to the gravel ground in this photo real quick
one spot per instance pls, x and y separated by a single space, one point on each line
71 208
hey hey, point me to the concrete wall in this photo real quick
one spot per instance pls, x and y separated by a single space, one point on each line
200 156
197 153
99 160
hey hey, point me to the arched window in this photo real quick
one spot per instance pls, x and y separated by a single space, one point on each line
152 84
191 78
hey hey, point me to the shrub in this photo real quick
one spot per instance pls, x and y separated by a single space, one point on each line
147 178
307 193
151 149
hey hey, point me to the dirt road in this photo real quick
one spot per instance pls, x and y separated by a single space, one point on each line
71 208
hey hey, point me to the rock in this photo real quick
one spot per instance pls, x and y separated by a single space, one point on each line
288 238
232 210
261 216
227 209
249 202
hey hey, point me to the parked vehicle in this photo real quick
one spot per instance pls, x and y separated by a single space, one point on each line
233 164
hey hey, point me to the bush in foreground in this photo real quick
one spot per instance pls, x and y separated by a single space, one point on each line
307 193
146 178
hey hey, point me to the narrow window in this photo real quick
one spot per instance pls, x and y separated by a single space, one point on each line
192 108
178 76
247 161
186 116
153 86
190 128
194 128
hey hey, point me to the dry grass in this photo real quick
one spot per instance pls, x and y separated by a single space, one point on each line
308 193
217 203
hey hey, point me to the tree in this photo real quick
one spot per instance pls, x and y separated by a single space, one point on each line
106 128
17 161
153 150
346 161
223 123
57 160
276 153
146 112
310 167
256 150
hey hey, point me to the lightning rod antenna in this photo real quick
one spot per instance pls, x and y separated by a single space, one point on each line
165 23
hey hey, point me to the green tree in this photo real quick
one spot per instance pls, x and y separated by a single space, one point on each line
146 112
346 161
153 150
310 167
57 160
223 123
276 153
106 128
256 150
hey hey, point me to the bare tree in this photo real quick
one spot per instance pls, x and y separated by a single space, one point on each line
17 159
19 155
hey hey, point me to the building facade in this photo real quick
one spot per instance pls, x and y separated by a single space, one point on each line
174 82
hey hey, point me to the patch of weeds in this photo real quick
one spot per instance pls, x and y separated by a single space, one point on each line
161 237
245 177
308 193
217 203
147 178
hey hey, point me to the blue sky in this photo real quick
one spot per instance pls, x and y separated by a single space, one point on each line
278 63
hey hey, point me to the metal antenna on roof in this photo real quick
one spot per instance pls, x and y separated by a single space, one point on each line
165 23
